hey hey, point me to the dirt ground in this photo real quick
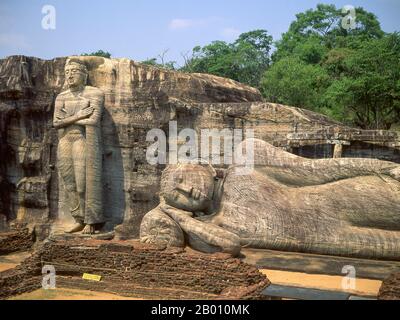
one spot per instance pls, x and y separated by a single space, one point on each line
11 260
69 294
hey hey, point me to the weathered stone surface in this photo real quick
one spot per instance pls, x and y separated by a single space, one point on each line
77 116
3 223
341 206
139 98
296 130
134 269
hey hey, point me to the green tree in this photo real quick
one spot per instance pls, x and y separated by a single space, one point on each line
351 75
217 58
98 53
244 60
292 81
366 83
170 65
323 24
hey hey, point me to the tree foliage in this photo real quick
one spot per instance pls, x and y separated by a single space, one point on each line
292 81
324 24
366 83
244 60
161 62
170 65
98 53
351 75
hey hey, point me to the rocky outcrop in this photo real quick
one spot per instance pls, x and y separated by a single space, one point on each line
139 98
296 130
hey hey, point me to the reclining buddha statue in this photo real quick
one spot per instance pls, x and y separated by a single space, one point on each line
337 206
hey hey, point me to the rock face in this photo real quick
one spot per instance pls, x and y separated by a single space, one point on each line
139 98
299 131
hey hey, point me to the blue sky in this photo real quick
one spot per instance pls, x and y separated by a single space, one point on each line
140 29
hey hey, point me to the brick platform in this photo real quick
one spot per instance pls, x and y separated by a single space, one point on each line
15 240
130 268
390 289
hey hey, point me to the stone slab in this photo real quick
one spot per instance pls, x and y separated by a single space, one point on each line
318 264
75 236
361 298
298 293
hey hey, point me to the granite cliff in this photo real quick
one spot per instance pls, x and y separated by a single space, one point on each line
139 98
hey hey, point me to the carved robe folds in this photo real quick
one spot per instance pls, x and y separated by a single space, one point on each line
80 153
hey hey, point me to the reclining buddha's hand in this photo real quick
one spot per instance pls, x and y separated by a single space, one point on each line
174 211
186 197
191 192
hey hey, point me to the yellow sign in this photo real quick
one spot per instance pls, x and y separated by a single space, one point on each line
88 276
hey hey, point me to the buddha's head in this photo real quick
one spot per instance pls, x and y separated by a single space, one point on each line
75 74
188 187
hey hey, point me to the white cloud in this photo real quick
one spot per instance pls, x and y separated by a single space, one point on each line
179 24
13 41
230 33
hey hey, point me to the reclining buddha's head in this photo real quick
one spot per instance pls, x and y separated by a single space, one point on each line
188 187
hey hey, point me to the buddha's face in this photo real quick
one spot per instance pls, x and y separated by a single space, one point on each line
189 187
185 200
75 76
